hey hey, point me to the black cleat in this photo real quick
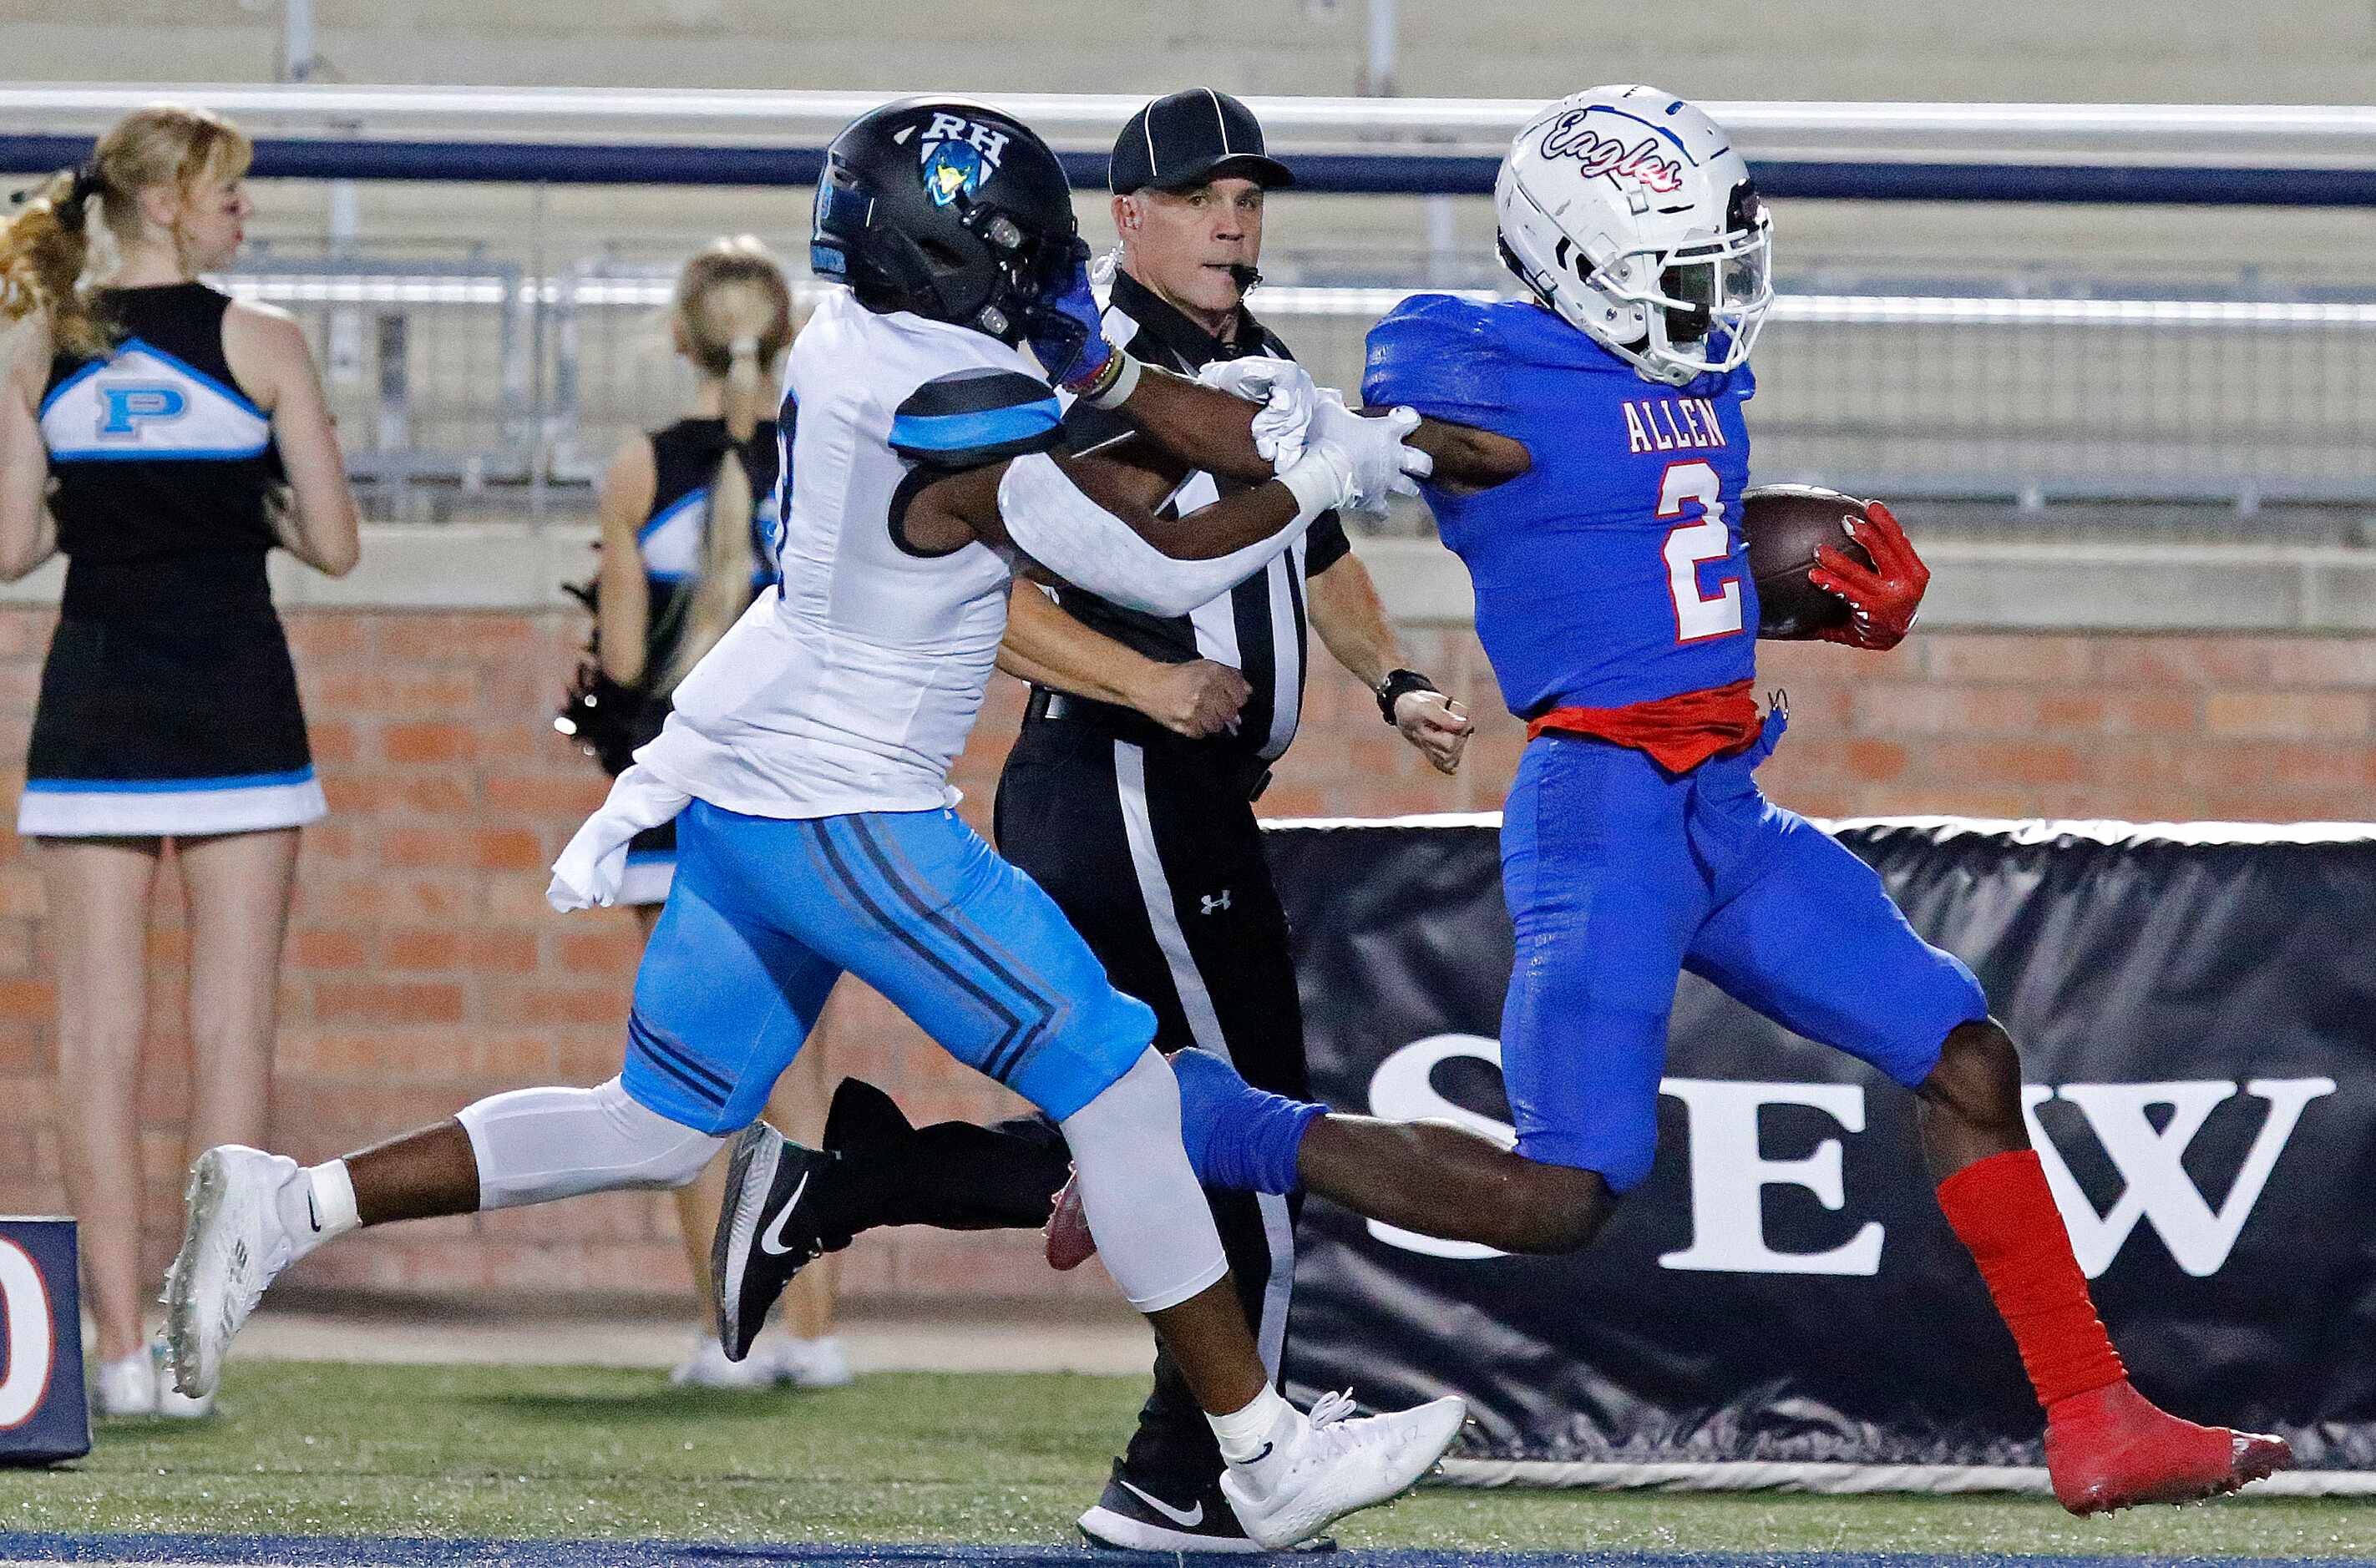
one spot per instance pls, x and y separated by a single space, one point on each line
1169 1516
777 1220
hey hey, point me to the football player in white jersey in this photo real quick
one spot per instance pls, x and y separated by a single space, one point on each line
806 764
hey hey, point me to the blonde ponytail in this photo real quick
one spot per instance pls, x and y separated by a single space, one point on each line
735 308
45 249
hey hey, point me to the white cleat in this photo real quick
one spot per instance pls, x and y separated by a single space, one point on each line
232 1245
706 1367
172 1401
126 1386
811 1363
1340 1464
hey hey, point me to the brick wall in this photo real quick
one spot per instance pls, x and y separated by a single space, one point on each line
425 969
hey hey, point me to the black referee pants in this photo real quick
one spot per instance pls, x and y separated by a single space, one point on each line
1152 852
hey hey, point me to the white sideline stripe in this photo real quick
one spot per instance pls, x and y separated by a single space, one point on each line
1196 1003
1750 1475
2020 830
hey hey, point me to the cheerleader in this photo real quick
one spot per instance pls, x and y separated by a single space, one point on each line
688 529
164 438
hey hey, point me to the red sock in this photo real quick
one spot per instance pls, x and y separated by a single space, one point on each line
2004 1212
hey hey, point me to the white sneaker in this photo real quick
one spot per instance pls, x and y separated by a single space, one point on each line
232 1246
126 1386
708 1367
811 1363
1340 1462
172 1401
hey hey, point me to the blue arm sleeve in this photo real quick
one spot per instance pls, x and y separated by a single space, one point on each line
973 417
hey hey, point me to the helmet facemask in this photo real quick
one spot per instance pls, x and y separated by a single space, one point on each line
1700 307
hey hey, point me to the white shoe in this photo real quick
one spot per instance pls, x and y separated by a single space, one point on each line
126 1386
1340 1462
232 1246
811 1363
172 1401
708 1367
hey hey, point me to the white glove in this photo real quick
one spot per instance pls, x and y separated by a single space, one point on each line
1321 481
1382 464
1286 391
594 863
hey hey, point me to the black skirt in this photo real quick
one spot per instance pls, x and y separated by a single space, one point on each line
168 706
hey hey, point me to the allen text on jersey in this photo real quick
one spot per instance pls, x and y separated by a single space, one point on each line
1671 425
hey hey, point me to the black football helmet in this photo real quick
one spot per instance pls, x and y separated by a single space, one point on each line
950 210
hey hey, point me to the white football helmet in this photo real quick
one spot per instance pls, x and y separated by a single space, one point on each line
1627 212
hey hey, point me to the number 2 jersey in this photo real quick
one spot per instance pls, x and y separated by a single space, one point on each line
1613 573
852 687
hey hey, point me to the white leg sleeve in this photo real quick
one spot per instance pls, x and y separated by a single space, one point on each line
1149 1217
534 1145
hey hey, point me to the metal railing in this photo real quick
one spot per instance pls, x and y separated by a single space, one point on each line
2084 152
467 384
494 376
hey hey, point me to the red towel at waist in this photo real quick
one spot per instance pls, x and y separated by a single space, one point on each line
1679 732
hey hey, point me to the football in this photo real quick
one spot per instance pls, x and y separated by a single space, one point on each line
1784 523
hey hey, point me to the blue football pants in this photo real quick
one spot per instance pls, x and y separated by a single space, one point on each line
766 913
1619 874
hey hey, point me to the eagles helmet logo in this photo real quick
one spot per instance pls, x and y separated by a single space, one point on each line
956 156
1573 136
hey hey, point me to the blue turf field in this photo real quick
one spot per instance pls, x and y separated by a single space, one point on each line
306 1551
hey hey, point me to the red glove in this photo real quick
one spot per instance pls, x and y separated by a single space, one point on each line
1882 598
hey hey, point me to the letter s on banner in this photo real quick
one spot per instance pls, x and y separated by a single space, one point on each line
25 1301
1729 1178
1400 1090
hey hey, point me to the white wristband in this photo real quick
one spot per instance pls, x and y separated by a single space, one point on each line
1125 383
1318 480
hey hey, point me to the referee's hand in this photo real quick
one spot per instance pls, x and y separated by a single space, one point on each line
1194 699
1436 725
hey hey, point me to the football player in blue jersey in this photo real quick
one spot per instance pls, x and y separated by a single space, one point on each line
1589 457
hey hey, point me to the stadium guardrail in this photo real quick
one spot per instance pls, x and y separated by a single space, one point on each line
2295 155
465 379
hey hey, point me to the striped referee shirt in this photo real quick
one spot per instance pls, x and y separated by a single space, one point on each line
1258 627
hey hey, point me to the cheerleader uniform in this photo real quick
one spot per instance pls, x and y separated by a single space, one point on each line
168 702
670 543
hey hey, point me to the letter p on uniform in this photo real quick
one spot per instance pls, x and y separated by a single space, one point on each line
123 408
43 1414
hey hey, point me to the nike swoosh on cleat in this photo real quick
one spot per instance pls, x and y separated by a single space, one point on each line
1256 1459
313 1214
1186 1518
771 1241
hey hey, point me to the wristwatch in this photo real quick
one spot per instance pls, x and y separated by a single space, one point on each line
1397 682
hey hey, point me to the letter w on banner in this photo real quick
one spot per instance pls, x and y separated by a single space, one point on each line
2150 1161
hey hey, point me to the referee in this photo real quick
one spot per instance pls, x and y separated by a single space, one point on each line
1129 795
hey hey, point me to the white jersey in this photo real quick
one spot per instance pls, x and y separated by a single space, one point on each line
854 686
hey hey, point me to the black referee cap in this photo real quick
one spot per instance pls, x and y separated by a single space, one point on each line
1189 137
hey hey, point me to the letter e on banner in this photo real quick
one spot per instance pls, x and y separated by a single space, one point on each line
31 1353
1729 1178
1400 1090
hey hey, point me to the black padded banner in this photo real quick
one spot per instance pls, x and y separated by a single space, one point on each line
2197 1011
